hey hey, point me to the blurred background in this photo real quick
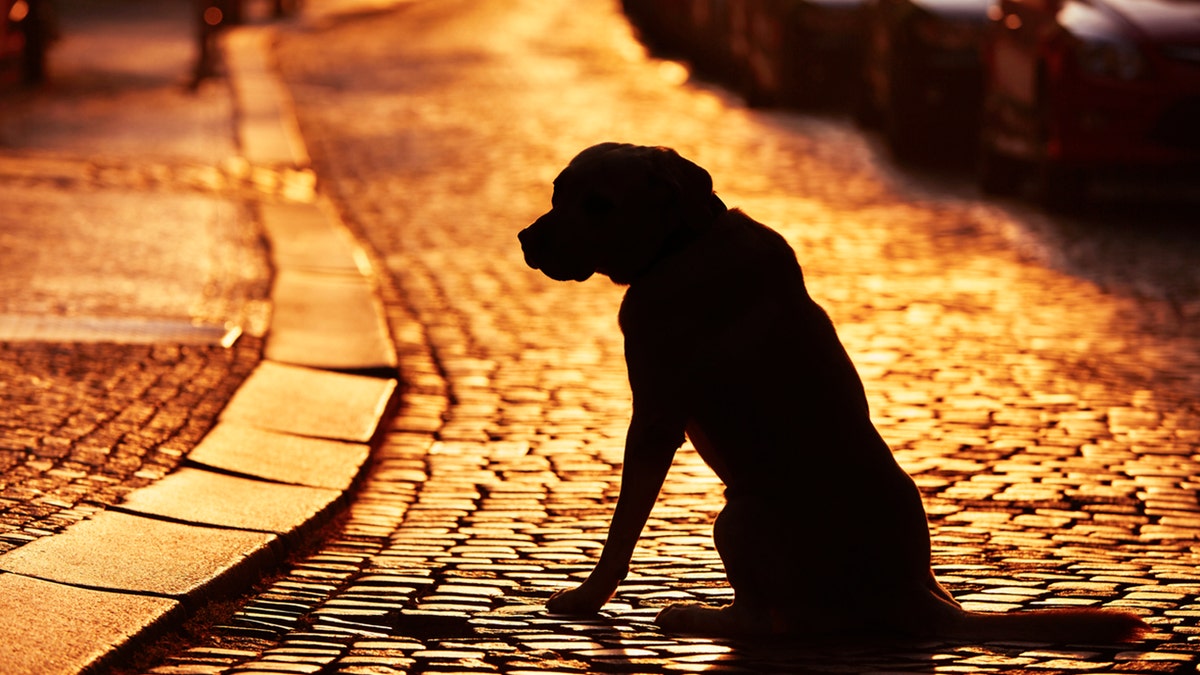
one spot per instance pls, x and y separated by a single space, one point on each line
1052 100
995 199
1053 93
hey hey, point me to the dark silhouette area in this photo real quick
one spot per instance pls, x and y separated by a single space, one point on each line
823 533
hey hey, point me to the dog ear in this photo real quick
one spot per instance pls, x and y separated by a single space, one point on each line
674 183
690 187
692 182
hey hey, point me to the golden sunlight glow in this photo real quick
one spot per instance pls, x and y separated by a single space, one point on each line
673 72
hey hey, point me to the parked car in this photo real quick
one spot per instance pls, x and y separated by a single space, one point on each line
697 31
25 33
772 51
797 51
1076 87
922 73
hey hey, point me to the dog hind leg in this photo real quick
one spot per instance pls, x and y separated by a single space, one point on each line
765 571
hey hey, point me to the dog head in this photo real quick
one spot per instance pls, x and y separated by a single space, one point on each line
617 209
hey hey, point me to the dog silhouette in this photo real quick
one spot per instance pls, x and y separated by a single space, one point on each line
822 531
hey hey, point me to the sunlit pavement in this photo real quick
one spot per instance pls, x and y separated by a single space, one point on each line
125 257
137 298
1037 379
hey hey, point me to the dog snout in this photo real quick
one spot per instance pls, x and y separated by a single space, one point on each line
527 236
549 245
533 243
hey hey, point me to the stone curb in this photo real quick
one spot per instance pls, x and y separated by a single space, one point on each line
285 453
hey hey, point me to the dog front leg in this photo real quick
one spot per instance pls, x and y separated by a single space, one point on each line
647 461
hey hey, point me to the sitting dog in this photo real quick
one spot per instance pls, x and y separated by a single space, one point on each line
822 531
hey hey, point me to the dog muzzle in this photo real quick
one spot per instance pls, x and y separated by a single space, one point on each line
546 252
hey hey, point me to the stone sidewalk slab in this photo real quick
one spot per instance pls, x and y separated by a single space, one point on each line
47 627
330 322
135 554
306 402
303 238
295 460
267 130
210 498
325 312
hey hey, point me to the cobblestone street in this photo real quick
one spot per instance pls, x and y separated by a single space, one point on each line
1038 380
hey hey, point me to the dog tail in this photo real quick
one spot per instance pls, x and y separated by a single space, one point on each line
1060 626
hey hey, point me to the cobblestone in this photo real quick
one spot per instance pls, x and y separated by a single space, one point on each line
123 211
232 176
75 438
1051 425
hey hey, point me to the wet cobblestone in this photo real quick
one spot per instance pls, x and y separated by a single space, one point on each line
1051 424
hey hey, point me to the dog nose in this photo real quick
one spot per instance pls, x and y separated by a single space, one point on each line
533 237
529 245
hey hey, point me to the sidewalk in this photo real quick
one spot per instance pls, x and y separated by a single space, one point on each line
180 411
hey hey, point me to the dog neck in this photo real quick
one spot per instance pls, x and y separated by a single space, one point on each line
697 224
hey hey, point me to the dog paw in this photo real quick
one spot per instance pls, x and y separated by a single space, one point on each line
727 621
685 618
